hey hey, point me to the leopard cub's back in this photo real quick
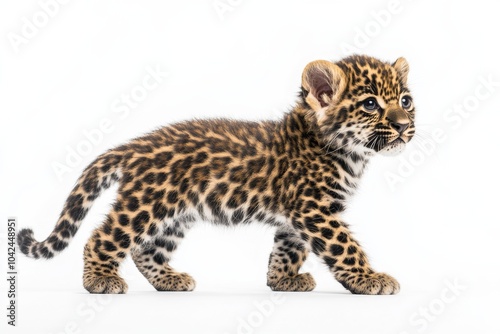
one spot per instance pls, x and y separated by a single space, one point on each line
222 171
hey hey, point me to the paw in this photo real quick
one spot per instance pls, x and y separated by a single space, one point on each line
105 284
300 282
370 284
174 282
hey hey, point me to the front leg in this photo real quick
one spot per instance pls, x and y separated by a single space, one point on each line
288 255
330 239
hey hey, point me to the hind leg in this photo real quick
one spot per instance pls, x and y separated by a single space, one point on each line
103 254
152 259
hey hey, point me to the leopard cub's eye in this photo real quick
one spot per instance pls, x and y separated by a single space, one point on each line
370 104
406 102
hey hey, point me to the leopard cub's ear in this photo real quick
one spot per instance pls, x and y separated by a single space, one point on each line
402 67
323 82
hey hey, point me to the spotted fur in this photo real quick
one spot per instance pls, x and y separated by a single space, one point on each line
296 174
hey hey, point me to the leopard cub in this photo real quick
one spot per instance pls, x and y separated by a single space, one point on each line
296 174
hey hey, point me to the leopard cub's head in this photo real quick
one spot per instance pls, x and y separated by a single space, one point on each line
360 103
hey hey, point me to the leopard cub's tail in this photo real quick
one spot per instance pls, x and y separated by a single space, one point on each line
99 175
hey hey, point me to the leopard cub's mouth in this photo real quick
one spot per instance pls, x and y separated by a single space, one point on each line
394 147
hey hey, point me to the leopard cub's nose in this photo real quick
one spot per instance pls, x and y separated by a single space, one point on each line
399 127
398 120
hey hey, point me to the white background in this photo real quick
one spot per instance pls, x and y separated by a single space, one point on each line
436 226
